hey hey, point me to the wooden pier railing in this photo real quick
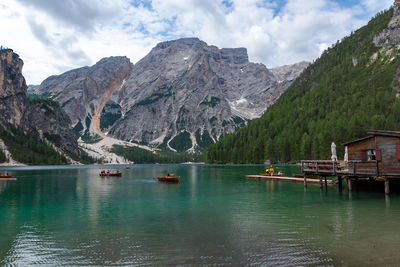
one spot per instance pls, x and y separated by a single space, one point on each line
331 168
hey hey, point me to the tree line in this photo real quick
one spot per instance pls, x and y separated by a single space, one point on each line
337 98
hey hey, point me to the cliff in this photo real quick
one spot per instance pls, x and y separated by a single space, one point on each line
42 120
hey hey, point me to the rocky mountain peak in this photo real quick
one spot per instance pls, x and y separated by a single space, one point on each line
193 93
396 7
42 118
391 35
12 87
183 95
83 92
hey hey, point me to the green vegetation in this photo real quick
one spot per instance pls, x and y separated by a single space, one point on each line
54 138
181 142
108 119
84 158
4 49
212 103
3 157
332 100
77 129
28 149
156 96
203 140
139 155
110 114
91 139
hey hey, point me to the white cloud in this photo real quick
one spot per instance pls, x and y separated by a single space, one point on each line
53 36
375 6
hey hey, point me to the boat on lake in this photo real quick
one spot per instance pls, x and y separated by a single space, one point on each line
111 173
5 175
169 178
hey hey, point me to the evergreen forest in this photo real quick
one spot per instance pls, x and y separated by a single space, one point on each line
139 155
28 149
348 90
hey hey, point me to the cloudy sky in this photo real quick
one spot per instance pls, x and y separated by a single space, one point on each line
53 36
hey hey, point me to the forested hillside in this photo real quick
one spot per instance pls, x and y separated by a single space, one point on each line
348 90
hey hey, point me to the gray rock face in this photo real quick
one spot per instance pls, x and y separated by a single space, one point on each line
187 89
43 117
81 92
288 73
13 102
391 35
183 95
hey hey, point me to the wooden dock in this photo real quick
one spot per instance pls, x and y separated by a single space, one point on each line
289 179
8 179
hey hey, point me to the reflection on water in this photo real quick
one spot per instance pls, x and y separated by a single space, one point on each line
69 216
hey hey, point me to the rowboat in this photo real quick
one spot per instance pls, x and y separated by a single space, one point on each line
172 179
5 176
111 173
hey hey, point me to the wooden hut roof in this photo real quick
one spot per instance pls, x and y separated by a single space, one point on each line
358 140
385 133
373 133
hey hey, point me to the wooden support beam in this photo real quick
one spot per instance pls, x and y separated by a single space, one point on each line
320 182
326 183
387 191
349 185
340 183
305 180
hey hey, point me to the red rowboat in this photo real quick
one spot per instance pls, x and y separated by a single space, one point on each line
174 179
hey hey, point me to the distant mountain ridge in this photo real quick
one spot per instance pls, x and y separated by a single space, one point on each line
353 87
184 95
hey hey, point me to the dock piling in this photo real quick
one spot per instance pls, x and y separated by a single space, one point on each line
387 191
349 185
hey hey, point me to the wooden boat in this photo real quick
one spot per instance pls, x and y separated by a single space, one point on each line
111 173
173 179
5 176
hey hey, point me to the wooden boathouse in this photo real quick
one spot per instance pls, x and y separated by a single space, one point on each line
375 157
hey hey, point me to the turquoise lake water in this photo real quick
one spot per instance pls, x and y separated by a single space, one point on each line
70 216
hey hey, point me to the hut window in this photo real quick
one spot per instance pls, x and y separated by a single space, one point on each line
371 154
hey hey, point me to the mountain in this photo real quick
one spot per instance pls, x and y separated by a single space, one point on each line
33 131
184 95
83 92
354 86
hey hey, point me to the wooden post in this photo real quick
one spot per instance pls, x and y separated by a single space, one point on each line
340 183
334 168
320 182
326 183
387 192
348 182
305 180
387 201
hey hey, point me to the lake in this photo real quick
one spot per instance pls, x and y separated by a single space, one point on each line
68 215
